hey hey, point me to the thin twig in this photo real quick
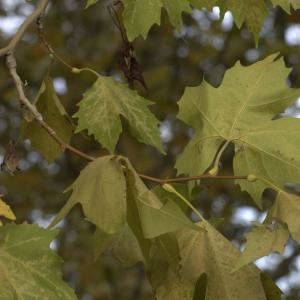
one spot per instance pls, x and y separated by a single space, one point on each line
22 29
12 67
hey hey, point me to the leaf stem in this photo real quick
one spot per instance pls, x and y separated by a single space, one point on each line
221 151
169 188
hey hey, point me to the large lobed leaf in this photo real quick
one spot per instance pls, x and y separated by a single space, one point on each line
261 241
206 251
101 190
247 101
103 104
29 270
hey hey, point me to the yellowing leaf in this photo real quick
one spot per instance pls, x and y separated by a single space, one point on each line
55 116
207 251
287 210
6 212
247 101
101 190
100 109
261 241
28 268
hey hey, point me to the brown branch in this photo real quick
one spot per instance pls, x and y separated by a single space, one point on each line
22 29
189 178
12 67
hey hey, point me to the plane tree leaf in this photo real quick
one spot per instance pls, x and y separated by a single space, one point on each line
28 268
251 12
206 251
90 2
248 99
54 114
261 241
272 291
155 218
103 104
287 4
101 191
6 212
175 8
287 209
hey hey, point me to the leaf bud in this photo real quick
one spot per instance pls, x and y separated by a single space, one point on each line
251 178
168 188
214 171
76 70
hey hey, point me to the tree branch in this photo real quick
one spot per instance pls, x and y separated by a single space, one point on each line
22 29
12 67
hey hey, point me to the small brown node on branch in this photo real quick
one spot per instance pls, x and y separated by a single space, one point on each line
128 63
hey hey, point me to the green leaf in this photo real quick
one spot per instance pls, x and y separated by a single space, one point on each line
251 12
261 241
140 15
175 8
287 210
101 191
174 287
248 99
90 2
207 251
55 116
126 248
100 109
155 217
6 212
272 291
209 4
287 4
28 268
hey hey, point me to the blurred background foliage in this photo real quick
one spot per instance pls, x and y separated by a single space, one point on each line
203 50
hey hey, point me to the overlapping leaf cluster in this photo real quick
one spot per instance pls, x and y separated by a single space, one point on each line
138 224
140 15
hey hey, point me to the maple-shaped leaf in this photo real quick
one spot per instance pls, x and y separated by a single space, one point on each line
287 4
175 8
241 111
101 191
287 209
6 212
28 268
103 104
154 217
54 114
140 15
261 241
251 12
207 251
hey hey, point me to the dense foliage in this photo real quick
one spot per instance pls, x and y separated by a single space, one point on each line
145 109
